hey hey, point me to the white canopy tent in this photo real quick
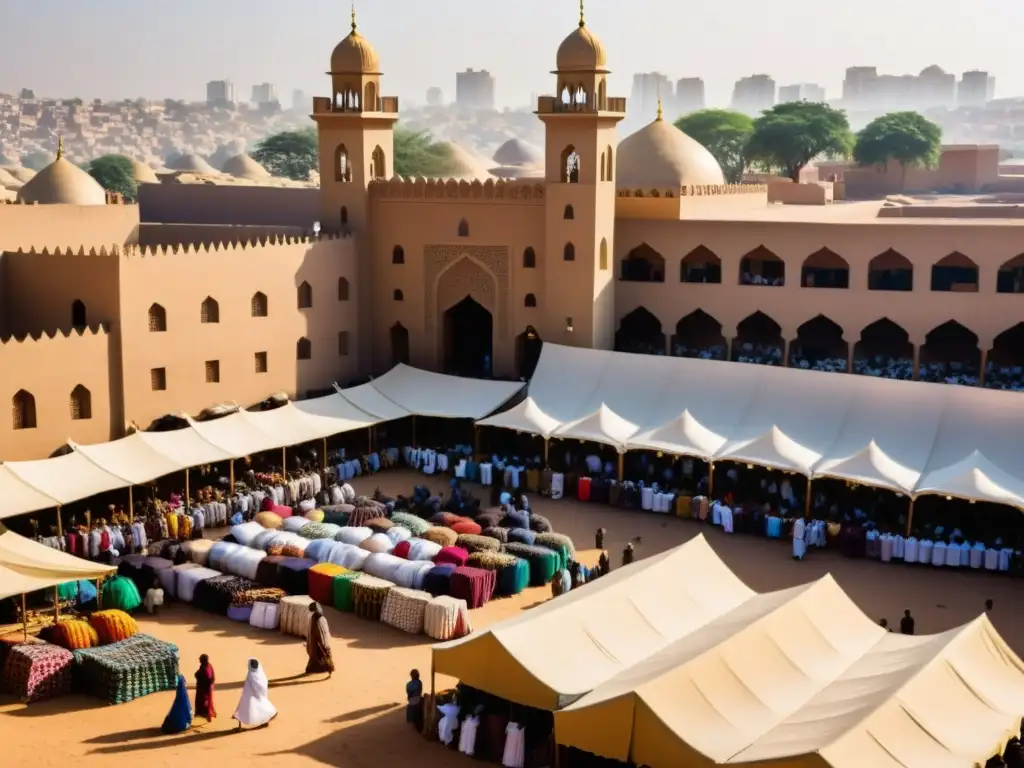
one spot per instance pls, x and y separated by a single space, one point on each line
27 566
130 458
525 417
66 478
423 393
20 498
367 399
602 426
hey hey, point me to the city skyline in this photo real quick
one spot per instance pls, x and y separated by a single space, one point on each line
414 60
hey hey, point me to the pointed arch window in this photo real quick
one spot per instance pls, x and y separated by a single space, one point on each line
570 165
304 349
260 307
398 255
342 166
569 252
342 289
305 295
378 165
209 312
569 213
78 314
610 170
463 228
81 403
370 98
529 258
398 295
344 216
157 319
23 414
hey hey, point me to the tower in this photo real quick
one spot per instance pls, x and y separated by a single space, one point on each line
580 144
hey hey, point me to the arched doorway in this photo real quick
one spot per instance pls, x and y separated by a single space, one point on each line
699 335
884 350
399 344
758 340
819 346
950 354
528 348
468 339
640 332
1005 366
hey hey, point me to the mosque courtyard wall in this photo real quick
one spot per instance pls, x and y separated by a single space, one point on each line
66 226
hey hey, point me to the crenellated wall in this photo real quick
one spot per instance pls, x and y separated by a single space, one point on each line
63 226
50 367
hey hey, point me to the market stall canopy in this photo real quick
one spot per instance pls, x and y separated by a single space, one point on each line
869 466
291 425
774 449
185 447
66 478
977 478
131 458
334 414
366 398
683 435
18 497
552 654
433 394
525 417
602 426
27 566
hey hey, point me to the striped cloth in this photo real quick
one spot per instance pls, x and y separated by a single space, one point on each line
405 609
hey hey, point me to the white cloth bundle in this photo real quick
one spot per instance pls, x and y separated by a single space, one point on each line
199 550
264 616
284 539
219 555
348 556
168 578
412 573
398 534
353 536
379 542
306 505
246 532
187 581
294 524
348 493
385 566
263 539
294 615
405 609
446 618
243 562
421 549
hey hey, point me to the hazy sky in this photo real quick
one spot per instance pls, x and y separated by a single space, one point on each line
129 48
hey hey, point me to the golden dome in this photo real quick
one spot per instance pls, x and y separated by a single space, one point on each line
142 173
244 167
660 156
354 55
465 166
62 183
581 51
190 163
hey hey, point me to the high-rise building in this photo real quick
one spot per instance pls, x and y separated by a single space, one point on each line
220 92
689 95
857 85
299 99
648 87
801 92
474 89
753 94
435 98
935 88
865 89
264 93
975 89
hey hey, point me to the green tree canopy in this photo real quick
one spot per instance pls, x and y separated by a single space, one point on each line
788 136
288 154
417 154
115 174
909 138
725 134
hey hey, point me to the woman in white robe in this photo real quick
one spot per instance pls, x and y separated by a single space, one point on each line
254 708
799 544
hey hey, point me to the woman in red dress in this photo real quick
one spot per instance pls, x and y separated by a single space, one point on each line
204 689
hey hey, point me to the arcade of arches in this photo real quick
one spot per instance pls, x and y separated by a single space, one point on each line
951 352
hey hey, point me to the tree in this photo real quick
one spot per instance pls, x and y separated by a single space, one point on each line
725 134
788 136
115 174
909 138
417 154
291 154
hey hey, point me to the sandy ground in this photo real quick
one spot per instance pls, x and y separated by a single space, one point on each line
356 719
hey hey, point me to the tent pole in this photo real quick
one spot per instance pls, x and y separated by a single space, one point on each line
131 505
284 461
24 616
231 477
429 721
369 439
99 593
60 525
56 605
622 469
476 442
414 430
323 462
546 453
910 516
187 494
711 479
807 503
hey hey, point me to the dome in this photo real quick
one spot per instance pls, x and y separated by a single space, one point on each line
63 183
19 172
661 156
244 167
465 165
354 55
581 51
9 181
518 152
142 173
190 163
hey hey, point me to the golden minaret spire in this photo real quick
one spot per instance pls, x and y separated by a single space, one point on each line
661 114
60 147
583 23
353 18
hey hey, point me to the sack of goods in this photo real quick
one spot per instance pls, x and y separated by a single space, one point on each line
199 551
559 543
74 634
412 573
444 537
405 609
246 532
368 594
474 585
242 561
169 579
467 526
269 520
37 671
152 567
472 543
421 549
513 573
294 615
320 550
543 562
379 542
415 524
398 534
354 536
313 531
342 589
348 556
446 618
264 616
338 514
122 594
321 582
127 670
188 580
113 626
383 566
294 524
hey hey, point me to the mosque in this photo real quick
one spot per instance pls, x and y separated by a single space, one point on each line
114 315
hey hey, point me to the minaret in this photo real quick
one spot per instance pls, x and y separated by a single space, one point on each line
580 145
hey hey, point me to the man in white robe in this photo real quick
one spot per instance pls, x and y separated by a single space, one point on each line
799 544
254 708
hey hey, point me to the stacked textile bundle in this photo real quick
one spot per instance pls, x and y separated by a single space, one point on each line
354 536
348 556
522 536
219 554
446 618
169 579
113 626
122 594
415 524
264 615
280 510
368 595
313 531
447 519
405 609
37 671
262 540
513 574
417 549
379 524
321 582
74 634
379 542
543 562
560 544
269 520
294 524
412 573
199 551
517 518
338 514
540 524
490 519
342 590
398 533
152 567
128 670
314 515
438 580
365 509
293 575
259 594
294 616
496 532
320 550
471 543
188 580
242 561
446 537
383 566
246 532
216 594
474 585
267 572
452 556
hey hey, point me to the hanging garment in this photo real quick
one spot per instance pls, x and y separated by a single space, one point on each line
514 755
467 736
799 545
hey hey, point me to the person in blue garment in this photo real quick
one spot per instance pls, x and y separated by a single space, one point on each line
180 717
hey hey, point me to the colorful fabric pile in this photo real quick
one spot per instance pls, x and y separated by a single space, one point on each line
319 550
128 670
560 544
379 542
264 616
245 533
398 534
242 561
294 616
342 589
365 509
421 549
439 579
368 595
474 585
446 618
543 562
354 536
471 543
113 626
321 582
75 634
379 524
496 532
452 556
215 595
199 551
415 524
293 575
540 524
37 671
188 580
268 569
122 594
513 574
259 594
315 515
447 519
314 531
405 609
269 520
439 535
412 573
522 536
348 556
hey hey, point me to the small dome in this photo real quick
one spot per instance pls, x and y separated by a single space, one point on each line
661 156
518 152
581 51
190 163
142 173
465 165
63 183
354 55
20 172
244 167
8 180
